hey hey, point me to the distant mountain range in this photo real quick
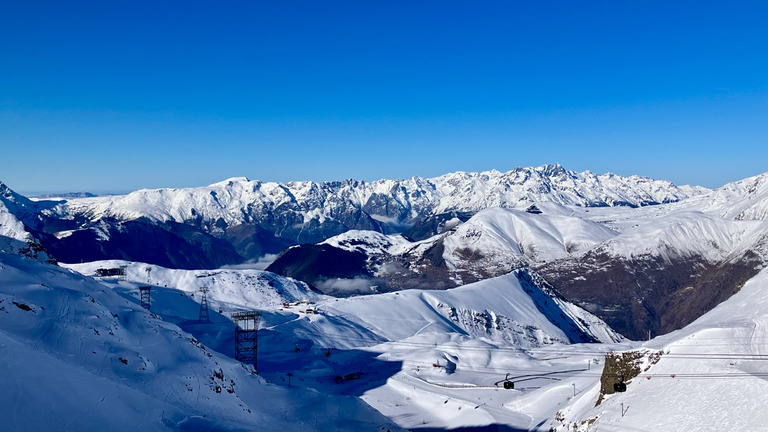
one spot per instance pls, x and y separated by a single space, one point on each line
239 219
66 195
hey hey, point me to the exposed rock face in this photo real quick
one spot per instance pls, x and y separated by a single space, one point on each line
623 367
664 274
648 293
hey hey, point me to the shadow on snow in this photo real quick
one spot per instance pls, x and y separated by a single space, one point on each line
283 359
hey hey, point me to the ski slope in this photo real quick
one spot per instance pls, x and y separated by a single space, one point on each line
77 355
712 376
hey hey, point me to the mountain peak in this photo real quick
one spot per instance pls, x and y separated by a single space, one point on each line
231 181
551 170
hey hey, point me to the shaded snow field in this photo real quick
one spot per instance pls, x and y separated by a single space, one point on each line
76 354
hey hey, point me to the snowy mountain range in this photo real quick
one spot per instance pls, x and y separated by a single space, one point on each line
239 219
385 203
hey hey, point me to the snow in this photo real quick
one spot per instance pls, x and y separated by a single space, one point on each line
227 289
512 238
239 200
425 359
710 377
745 199
14 237
492 242
11 229
686 233
369 242
498 309
77 355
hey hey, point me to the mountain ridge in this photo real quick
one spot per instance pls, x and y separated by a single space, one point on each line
395 202
258 218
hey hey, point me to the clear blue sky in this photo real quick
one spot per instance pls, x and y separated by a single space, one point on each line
119 95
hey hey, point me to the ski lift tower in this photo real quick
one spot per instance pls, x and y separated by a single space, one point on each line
204 317
246 336
144 292
122 273
144 296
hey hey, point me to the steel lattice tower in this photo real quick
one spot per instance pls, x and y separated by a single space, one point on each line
122 273
204 306
246 336
144 296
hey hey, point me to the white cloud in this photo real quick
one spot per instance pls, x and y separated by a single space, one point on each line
258 264
356 285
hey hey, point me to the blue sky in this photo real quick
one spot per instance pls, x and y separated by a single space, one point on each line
111 96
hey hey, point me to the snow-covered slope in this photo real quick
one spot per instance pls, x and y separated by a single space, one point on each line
711 376
14 237
686 234
20 206
498 239
513 309
745 199
367 346
230 289
12 231
368 242
75 355
742 200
